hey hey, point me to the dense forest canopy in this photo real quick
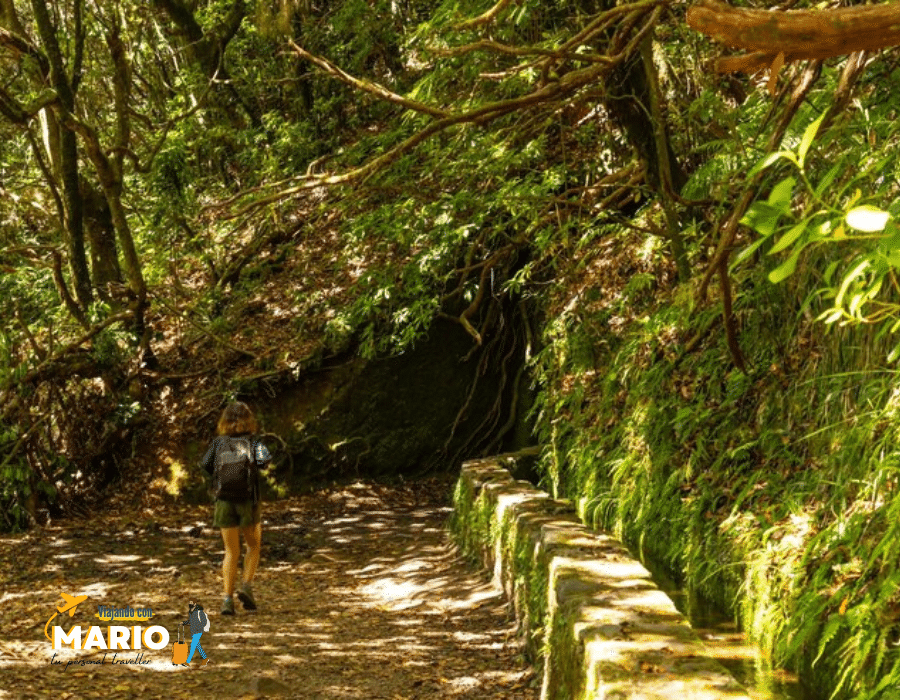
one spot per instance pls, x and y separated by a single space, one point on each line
201 197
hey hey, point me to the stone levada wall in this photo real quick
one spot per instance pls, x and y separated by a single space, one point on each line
592 617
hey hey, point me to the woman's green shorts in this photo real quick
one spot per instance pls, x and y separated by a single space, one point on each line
243 514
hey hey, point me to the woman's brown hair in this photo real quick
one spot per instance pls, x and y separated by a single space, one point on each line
237 419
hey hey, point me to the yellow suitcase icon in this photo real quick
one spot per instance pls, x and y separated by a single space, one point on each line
179 654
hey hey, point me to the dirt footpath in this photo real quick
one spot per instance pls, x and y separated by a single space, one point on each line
360 596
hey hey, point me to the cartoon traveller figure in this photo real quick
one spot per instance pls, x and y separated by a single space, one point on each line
199 623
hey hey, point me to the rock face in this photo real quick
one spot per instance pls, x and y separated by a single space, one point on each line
592 614
393 416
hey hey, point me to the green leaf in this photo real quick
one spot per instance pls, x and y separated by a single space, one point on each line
786 269
788 238
830 316
768 160
762 218
867 218
856 303
827 634
826 181
747 252
848 280
780 196
808 136
891 240
872 291
894 354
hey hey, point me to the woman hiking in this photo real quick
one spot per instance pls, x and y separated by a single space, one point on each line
234 459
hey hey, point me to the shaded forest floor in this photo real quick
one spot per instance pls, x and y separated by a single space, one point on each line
360 595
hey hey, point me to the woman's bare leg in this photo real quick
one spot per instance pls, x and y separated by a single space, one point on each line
231 536
253 537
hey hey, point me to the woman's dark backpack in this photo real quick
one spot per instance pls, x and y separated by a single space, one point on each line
234 478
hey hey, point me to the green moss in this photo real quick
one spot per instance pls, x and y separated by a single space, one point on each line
559 652
480 533
775 493
469 522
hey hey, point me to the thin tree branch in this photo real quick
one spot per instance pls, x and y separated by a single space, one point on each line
664 166
508 50
20 114
553 90
366 85
18 45
206 332
38 371
65 296
728 230
485 17
599 23
728 317
49 178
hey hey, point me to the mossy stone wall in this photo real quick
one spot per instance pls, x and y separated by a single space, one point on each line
590 613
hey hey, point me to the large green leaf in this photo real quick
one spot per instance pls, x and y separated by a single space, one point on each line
780 196
786 269
867 218
789 238
762 218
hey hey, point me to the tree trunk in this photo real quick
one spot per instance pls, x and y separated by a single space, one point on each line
9 18
101 233
207 50
629 103
74 218
302 74
67 157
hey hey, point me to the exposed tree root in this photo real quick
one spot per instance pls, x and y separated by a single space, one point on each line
502 356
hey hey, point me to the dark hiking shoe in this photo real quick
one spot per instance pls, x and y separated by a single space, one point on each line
228 606
245 595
